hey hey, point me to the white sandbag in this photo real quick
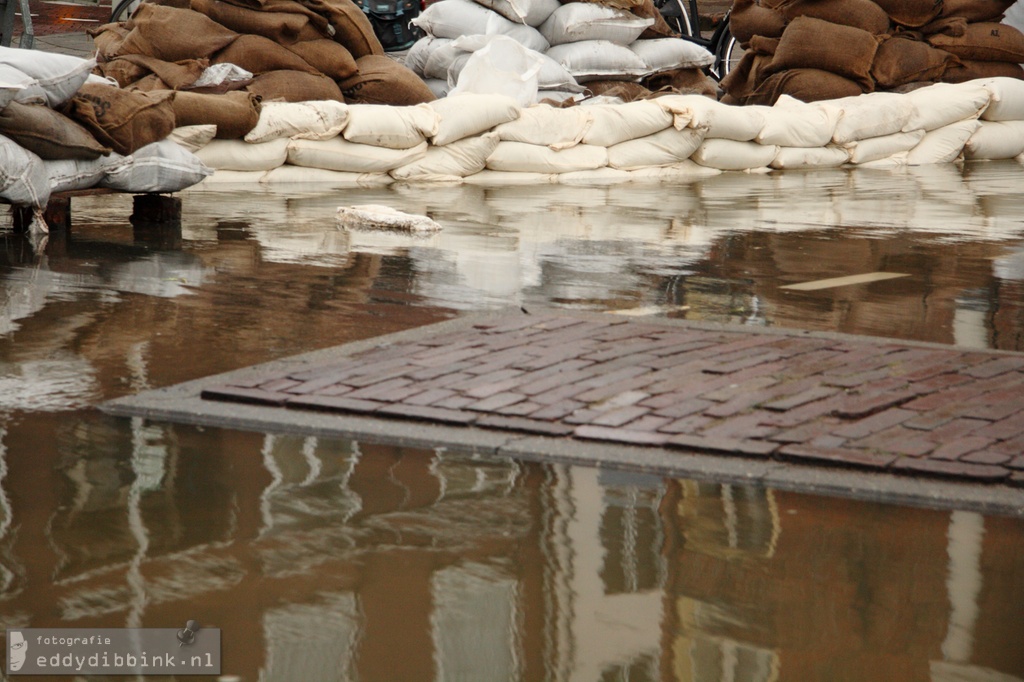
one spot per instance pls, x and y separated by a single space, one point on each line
23 177
529 12
663 148
323 178
894 162
157 167
193 137
598 59
338 154
417 55
221 74
493 178
382 125
12 85
668 54
684 171
531 158
940 104
441 62
439 87
615 123
720 120
576 21
942 145
502 67
67 175
454 18
57 77
244 156
552 75
452 161
870 115
734 155
829 156
470 114
996 140
877 148
313 120
792 123
1007 102
549 126
226 178
598 176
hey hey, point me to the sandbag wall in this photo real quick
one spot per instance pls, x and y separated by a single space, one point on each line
491 139
621 48
825 49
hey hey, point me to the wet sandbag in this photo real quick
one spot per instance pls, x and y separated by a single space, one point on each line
1007 99
720 120
48 133
393 127
351 26
176 75
734 155
806 85
121 119
912 13
749 19
308 120
871 115
809 43
68 175
339 154
549 126
469 114
996 140
615 123
449 163
328 57
985 41
382 80
23 177
943 145
976 10
244 156
294 86
283 28
829 156
863 14
234 113
161 166
792 123
259 55
663 148
901 60
971 69
940 104
174 34
529 158
883 147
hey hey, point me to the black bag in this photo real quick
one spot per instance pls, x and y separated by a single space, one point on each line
390 20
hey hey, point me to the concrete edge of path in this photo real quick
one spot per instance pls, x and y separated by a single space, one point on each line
182 404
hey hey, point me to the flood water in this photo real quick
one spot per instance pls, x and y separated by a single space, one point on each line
324 559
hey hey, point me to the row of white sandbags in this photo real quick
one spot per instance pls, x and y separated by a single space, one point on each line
460 136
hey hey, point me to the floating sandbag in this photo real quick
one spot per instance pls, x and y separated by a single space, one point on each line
985 41
996 140
283 28
393 127
792 123
734 155
940 104
912 13
877 148
871 115
530 158
663 148
976 10
173 34
902 59
48 133
596 59
615 123
809 43
578 21
863 14
671 53
454 18
339 154
548 126
942 145
193 137
806 85
122 120
1007 100
74 174
161 166
382 80
377 217
55 78
451 162
327 56
529 12
234 113
258 55
244 156
23 177
462 115
294 86
829 156
749 19
720 120
313 120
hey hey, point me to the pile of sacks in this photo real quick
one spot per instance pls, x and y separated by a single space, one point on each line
483 139
827 49
544 50
58 132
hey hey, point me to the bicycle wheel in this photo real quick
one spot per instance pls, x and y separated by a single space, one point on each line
124 10
675 15
728 54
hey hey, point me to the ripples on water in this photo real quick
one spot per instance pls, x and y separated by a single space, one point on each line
332 560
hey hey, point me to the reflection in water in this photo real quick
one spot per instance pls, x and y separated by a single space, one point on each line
326 559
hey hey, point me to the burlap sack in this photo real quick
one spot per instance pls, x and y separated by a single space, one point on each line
624 90
985 41
49 134
283 28
258 55
976 10
969 70
681 81
746 76
749 19
176 75
121 119
326 56
808 85
234 113
809 43
382 80
148 84
173 34
862 14
122 71
660 27
950 26
900 60
294 86
911 13
107 39
352 28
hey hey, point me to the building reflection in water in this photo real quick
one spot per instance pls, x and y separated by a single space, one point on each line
325 559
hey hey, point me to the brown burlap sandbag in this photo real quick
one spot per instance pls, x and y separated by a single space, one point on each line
976 10
969 70
283 28
901 60
121 119
48 133
624 90
681 81
660 27
911 13
294 86
807 85
173 34
234 113
148 84
950 26
257 55
326 56
862 14
986 41
122 71
176 75
809 43
750 19
352 28
107 39
746 76
382 80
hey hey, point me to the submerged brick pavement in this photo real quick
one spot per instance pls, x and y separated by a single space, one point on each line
883 406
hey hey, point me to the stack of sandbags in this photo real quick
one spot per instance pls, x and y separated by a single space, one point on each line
973 31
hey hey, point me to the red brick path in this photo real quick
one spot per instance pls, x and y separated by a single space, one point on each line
896 407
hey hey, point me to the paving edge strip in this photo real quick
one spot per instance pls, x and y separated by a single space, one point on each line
182 404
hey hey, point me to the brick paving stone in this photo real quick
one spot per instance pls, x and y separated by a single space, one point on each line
682 408
938 382
962 394
807 432
648 422
958 428
456 402
429 373
899 440
847 457
1016 479
986 457
863 405
875 423
742 363
995 367
336 389
809 395
520 409
429 397
552 357
562 408
827 442
955 449
808 412
620 416
626 386
690 424
281 385
385 391
750 425
936 467
1004 428
933 419
738 446
993 406
615 435
486 382
495 401
1016 463
334 404
446 358
525 425
854 380
725 393
1011 446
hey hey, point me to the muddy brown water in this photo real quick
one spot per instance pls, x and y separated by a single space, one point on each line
325 559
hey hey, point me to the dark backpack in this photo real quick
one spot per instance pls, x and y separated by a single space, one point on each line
390 20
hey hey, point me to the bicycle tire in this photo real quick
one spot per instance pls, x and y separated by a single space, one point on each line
680 23
728 54
123 10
